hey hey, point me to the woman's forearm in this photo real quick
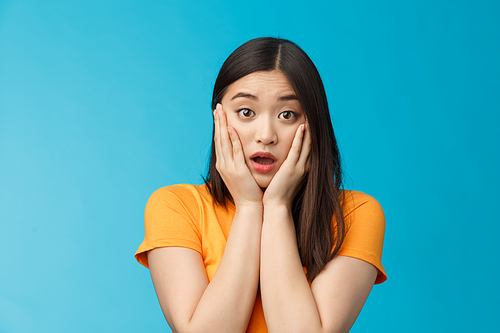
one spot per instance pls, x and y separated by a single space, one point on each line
288 302
228 301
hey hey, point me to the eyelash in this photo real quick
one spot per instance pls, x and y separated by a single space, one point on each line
292 114
240 112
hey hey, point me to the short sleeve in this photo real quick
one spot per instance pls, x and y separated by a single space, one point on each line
170 219
364 238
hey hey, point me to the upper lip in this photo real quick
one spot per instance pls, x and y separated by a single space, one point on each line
263 154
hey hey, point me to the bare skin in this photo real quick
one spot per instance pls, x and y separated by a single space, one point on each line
261 245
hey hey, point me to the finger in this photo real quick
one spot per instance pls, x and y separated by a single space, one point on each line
238 155
225 142
218 151
306 146
294 154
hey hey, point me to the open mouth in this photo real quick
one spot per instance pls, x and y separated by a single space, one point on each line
263 162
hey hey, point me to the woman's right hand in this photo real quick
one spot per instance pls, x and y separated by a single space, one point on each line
231 163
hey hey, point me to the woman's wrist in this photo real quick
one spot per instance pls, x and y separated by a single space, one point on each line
249 207
274 208
278 204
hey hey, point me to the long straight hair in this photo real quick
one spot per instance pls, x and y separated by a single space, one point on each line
317 208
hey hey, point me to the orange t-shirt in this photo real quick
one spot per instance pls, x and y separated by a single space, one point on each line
185 216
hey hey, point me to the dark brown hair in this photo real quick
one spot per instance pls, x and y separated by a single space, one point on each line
317 208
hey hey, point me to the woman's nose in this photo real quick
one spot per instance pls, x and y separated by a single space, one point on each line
266 133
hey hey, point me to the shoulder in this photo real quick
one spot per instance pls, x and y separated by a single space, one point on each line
365 229
356 202
180 190
185 199
182 193
173 218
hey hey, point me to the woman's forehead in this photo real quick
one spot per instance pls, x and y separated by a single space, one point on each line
261 85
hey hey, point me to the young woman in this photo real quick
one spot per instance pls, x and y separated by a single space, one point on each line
270 242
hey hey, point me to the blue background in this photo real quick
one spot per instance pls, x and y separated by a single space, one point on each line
103 102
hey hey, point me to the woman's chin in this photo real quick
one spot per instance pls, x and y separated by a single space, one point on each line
263 181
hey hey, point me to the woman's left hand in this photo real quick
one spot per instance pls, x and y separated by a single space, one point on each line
287 181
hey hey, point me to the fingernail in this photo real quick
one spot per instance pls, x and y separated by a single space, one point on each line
218 106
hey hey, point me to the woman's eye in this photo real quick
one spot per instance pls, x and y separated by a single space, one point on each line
246 113
287 115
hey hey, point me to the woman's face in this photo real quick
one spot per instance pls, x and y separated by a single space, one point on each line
265 112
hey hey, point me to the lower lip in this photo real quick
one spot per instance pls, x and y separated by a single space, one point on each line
264 168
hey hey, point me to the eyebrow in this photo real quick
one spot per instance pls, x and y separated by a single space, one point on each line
288 98
245 95
281 98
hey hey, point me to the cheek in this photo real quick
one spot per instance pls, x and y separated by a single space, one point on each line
287 138
246 141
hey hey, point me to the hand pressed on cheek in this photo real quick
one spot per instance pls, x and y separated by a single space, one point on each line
231 163
292 172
